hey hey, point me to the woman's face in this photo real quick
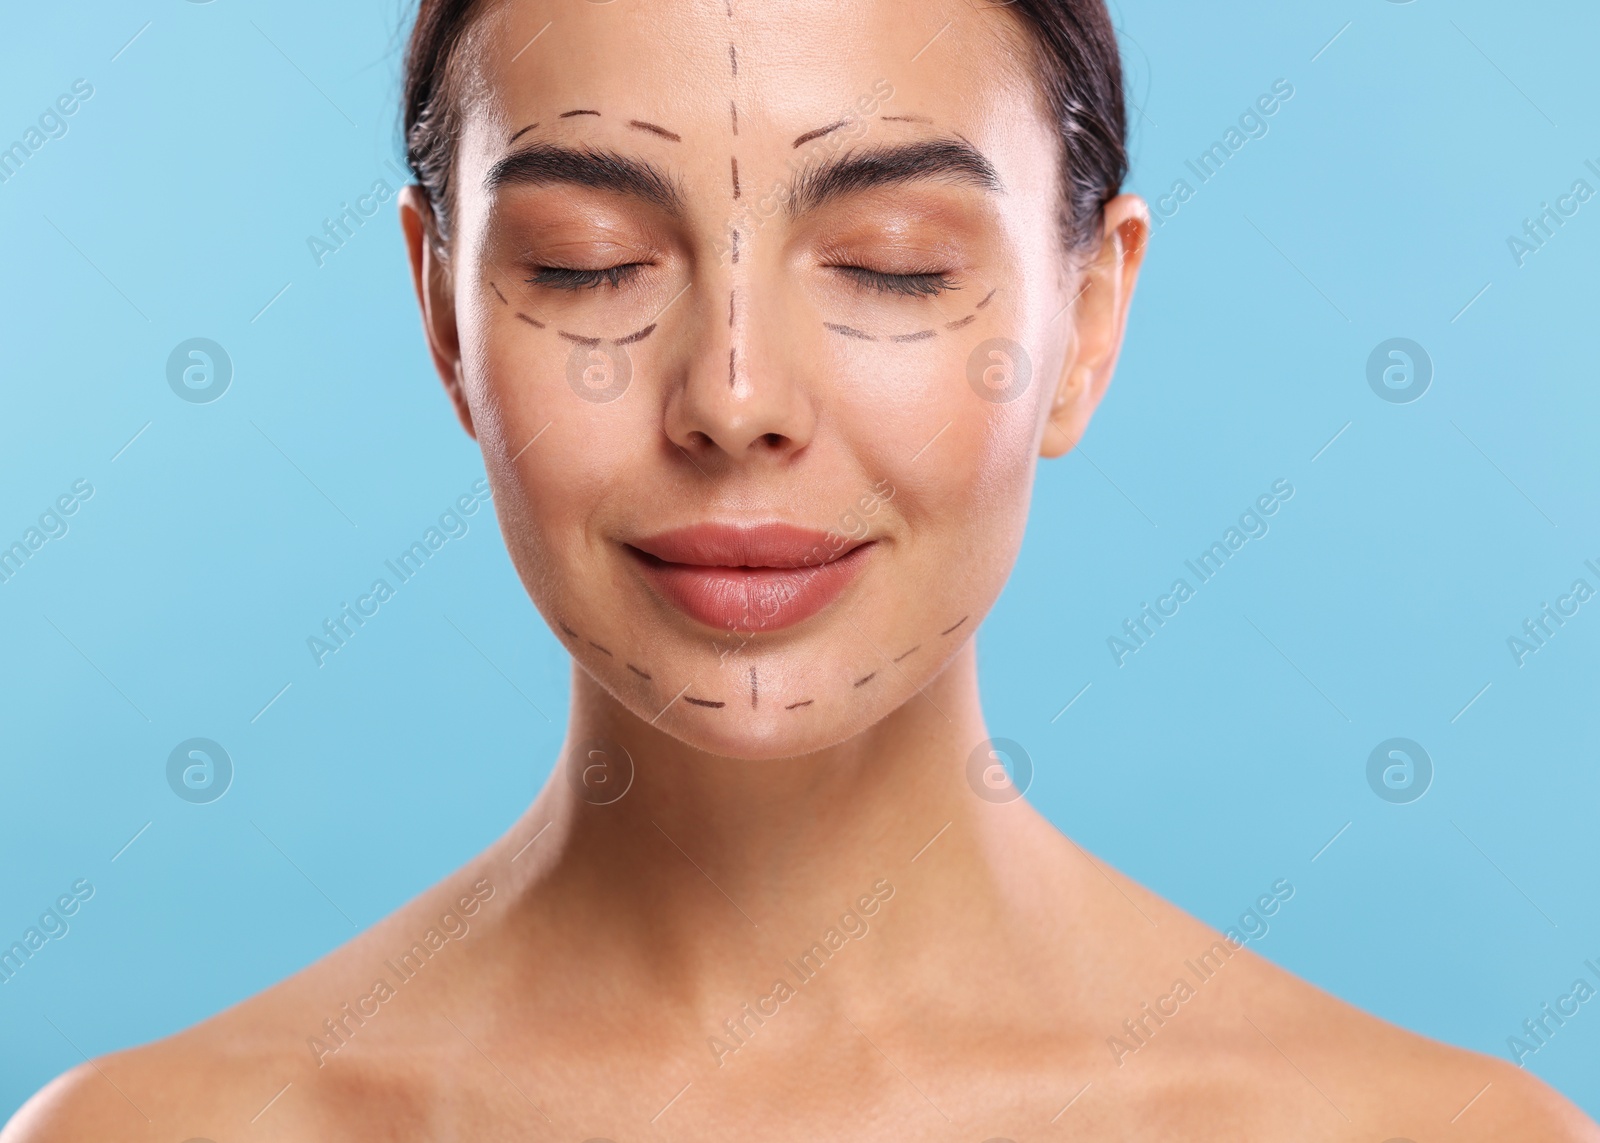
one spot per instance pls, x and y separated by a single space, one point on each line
761 316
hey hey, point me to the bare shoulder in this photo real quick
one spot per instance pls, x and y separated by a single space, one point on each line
221 1081
1389 1075
1523 1106
1378 1076
74 1106
190 1079
351 1030
1232 1028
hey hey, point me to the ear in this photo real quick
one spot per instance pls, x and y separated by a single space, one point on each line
1099 315
430 274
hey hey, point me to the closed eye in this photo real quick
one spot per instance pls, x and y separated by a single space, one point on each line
566 278
906 285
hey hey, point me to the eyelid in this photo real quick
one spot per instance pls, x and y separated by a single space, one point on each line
926 284
573 278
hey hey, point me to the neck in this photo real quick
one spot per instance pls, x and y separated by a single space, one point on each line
705 860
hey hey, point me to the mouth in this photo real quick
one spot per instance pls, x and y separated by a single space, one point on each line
761 577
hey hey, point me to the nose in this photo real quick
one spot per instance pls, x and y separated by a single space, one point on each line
743 396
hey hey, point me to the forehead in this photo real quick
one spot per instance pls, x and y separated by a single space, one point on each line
780 68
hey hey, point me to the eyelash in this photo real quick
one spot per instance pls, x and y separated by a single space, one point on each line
906 285
565 278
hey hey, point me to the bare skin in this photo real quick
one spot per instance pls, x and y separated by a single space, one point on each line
954 968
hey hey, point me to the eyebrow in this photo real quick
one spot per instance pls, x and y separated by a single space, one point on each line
946 160
545 164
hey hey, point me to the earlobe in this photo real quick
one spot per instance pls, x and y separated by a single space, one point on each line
431 277
1069 412
458 397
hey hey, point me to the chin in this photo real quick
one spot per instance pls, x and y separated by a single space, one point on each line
758 708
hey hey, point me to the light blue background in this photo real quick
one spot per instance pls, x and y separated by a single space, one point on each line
1222 756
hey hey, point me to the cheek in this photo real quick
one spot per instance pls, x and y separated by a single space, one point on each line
534 393
550 455
961 463
971 499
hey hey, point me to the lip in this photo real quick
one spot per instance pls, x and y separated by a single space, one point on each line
748 577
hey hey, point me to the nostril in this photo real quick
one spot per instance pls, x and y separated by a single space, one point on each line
772 440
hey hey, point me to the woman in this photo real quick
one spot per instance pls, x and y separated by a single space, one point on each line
761 315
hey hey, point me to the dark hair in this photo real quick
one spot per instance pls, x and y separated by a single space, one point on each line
1081 73
1077 66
